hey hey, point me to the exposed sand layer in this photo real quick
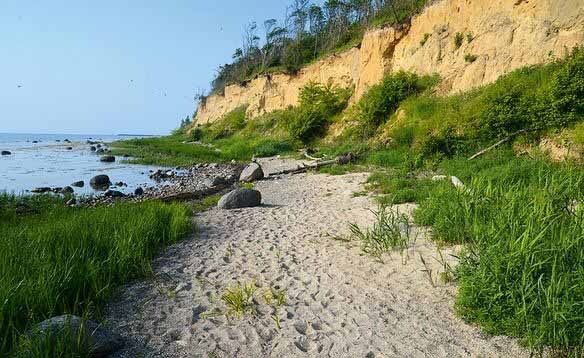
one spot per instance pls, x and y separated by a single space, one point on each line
339 302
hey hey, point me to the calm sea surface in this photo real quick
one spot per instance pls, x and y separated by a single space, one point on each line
48 163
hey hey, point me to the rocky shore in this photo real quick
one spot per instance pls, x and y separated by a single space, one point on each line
181 183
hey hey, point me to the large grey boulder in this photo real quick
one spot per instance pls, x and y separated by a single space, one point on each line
6 152
252 172
100 181
240 198
98 341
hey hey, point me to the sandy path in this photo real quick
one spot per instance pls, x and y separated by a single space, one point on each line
339 303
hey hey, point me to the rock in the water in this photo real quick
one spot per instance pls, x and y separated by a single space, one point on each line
240 198
69 148
252 172
67 190
92 148
78 184
93 337
6 152
108 159
41 190
101 181
100 150
139 191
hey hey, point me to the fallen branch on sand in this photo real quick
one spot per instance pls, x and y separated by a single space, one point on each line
341 160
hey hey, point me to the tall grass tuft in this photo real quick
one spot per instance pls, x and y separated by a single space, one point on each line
69 260
391 231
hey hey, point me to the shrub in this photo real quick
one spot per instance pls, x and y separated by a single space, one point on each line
469 37
568 87
318 103
196 134
384 98
458 39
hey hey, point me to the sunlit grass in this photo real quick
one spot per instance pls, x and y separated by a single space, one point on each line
58 260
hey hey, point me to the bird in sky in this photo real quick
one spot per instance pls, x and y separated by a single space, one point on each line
19 86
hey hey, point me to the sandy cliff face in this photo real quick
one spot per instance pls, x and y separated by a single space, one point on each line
506 34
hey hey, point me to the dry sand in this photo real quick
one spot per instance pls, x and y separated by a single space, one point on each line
339 302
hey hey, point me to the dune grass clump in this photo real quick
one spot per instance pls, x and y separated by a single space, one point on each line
60 260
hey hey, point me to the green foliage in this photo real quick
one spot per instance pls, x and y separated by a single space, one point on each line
568 87
521 274
69 260
469 37
318 104
169 151
398 189
470 58
458 39
231 122
375 107
196 134
536 99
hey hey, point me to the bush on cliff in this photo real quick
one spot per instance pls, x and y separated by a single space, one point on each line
318 104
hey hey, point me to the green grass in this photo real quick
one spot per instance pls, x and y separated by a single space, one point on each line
521 273
239 300
58 260
173 151
167 151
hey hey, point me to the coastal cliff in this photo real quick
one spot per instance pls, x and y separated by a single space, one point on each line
468 43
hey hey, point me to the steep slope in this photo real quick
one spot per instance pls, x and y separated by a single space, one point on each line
494 38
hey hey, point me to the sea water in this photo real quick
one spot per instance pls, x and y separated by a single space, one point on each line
49 163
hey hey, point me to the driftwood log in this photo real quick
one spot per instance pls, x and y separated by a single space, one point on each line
504 140
341 160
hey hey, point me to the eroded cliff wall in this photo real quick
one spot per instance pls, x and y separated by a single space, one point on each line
506 34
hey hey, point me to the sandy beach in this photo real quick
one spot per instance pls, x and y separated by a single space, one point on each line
339 302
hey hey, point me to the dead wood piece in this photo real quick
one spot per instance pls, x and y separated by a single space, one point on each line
504 140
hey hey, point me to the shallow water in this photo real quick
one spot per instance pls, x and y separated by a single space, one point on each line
48 163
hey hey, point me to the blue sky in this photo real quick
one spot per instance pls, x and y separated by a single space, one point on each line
114 66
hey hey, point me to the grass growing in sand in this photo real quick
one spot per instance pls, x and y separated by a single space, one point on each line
391 231
55 259
239 300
